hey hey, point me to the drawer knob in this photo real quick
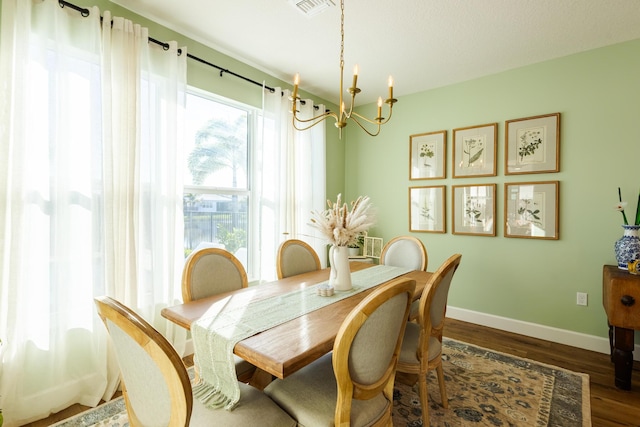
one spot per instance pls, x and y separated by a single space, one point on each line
627 300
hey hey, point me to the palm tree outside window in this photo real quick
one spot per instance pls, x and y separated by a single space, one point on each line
216 182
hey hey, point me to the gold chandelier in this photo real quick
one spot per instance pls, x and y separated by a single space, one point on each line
343 116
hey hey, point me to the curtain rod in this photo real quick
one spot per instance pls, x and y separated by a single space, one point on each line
85 12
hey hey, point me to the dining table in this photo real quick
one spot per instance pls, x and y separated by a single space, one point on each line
283 349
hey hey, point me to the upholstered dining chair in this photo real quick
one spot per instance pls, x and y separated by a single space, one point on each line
422 342
296 257
211 271
156 386
405 251
353 385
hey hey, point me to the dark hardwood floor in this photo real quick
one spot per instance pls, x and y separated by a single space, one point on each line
609 405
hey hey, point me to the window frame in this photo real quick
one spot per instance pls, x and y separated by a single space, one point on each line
253 115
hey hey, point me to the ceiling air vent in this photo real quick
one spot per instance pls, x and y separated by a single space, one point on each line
311 7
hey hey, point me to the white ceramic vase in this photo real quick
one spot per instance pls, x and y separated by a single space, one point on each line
340 277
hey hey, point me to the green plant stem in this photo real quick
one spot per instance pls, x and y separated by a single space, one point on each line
624 217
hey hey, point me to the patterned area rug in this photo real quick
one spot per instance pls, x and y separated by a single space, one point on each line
484 387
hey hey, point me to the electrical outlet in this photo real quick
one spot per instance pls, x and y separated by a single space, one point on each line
581 298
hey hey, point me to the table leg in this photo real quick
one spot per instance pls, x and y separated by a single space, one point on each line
610 341
623 357
260 379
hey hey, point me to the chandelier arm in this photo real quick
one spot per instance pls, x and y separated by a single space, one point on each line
353 101
313 121
322 116
355 119
376 121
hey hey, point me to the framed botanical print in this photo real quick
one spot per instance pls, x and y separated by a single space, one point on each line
474 151
427 155
474 208
426 209
532 145
531 210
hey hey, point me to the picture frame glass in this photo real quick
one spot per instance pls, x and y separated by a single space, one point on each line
427 155
474 209
532 145
426 209
474 151
531 210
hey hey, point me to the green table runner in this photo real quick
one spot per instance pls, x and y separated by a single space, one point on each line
216 333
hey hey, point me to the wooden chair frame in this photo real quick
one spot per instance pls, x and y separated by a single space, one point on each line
284 246
348 389
427 330
195 257
160 350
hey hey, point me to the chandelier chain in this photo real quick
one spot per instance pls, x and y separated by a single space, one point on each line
342 34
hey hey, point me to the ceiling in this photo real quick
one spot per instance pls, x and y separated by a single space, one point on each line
423 44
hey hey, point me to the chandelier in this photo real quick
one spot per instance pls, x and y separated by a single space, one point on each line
343 116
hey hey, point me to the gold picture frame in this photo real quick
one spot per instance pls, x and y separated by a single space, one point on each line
532 145
531 210
473 209
427 155
427 209
474 151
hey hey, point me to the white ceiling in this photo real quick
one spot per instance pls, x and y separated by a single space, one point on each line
423 43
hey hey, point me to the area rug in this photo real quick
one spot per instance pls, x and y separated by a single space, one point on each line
484 388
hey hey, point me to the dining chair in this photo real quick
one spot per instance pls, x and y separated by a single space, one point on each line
296 257
422 342
155 383
405 251
210 271
352 385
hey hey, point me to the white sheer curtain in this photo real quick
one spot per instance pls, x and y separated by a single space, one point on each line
90 197
291 168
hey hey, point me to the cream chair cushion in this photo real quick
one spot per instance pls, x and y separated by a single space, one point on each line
405 251
296 257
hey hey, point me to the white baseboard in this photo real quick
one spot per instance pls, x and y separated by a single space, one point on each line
547 333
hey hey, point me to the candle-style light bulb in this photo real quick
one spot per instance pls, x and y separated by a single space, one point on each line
355 76
390 87
296 82
379 107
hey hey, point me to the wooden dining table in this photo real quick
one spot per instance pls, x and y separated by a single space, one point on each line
283 349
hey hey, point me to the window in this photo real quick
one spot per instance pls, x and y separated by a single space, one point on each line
216 200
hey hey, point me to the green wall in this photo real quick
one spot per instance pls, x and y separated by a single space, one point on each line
598 96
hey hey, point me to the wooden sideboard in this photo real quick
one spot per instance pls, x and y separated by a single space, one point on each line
621 300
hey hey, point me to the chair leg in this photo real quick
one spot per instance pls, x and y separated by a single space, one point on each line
443 390
424 399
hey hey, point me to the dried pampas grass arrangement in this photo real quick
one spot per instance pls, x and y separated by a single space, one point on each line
341 226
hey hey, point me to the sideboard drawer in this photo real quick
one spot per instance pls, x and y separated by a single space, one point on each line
621 297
